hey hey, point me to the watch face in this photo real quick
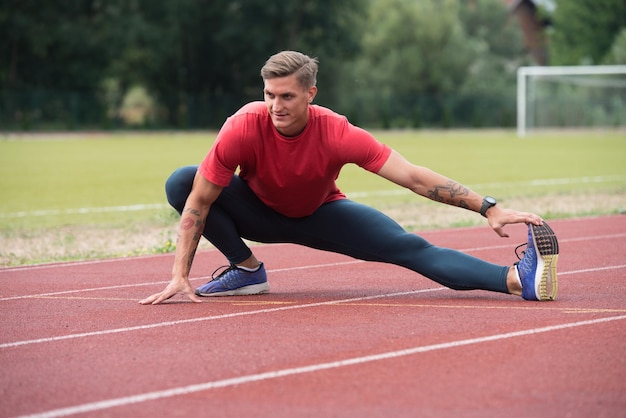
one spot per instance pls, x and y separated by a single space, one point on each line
491 200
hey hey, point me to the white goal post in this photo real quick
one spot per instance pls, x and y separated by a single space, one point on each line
524 73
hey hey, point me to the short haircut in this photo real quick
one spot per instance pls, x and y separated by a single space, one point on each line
286 63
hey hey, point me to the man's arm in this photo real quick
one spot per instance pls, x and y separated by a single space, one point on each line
191 226
434 186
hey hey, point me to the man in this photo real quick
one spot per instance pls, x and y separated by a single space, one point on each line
289 153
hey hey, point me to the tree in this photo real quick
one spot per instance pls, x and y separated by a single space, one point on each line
201 58
56 55
617 54
420 57
584 30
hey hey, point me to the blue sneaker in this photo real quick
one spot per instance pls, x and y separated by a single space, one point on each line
235 281
537 267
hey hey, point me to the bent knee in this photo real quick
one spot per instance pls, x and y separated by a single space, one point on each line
178 186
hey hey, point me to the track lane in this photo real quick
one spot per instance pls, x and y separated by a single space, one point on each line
241 344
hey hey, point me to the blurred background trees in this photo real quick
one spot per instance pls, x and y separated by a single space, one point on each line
587 31
188 64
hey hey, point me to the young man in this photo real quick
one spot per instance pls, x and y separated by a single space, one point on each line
289 153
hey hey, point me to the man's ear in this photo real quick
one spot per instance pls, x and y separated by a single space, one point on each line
312 93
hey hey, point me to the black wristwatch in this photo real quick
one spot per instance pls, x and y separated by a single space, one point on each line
488 202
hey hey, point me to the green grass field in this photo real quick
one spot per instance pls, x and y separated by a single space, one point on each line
88 179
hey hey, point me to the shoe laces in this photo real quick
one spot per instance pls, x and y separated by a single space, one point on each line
225 270
517 251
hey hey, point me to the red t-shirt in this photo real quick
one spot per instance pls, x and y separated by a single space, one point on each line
292 175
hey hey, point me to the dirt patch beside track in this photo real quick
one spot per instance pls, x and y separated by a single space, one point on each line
90 242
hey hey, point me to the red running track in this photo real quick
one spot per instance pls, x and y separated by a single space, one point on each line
335 337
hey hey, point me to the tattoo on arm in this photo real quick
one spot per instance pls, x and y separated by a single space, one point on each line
192 211
199 230
191 221
451 193
190 260
188 223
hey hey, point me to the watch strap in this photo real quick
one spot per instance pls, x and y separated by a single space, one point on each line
488 202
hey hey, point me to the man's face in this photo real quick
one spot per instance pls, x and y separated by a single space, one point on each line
288 104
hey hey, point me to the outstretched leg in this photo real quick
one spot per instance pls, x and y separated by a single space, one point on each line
342 226
365 233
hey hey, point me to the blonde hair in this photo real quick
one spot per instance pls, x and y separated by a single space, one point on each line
286 63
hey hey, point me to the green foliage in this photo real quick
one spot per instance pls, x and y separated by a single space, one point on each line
67 63
58 52
435 63
584 30
384 63
201 59
617 54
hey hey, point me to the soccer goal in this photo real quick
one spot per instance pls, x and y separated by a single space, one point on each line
571 97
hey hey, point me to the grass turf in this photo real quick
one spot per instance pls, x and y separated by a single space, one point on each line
75 179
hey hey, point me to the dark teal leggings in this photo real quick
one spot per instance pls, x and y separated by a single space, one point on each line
342 226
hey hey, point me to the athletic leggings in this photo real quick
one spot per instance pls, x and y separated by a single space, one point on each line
342 226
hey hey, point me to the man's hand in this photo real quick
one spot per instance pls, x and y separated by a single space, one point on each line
498 217
176 286
190 229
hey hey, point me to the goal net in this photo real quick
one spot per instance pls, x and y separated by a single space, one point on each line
571 97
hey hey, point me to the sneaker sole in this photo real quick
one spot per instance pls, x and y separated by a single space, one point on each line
547 247
253 289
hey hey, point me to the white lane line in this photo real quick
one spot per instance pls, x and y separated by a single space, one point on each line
8 270
210 318
352 195
259 377
122 286
561 241
261 311
94 289
593 270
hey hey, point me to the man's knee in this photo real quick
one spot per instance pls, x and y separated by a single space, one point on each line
178 186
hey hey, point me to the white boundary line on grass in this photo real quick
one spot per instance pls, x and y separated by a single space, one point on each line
312 368
533 183
353 195
78 211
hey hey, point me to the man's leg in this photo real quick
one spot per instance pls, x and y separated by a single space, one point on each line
237 213
343 226
362 232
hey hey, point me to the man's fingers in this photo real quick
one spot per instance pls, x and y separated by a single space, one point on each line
194 297
165 295
149 299
500 231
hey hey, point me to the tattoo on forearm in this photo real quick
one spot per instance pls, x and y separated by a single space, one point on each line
199 230
450 193
190 260
188 223
192 211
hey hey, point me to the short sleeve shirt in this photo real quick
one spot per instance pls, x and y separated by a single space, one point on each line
292 175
